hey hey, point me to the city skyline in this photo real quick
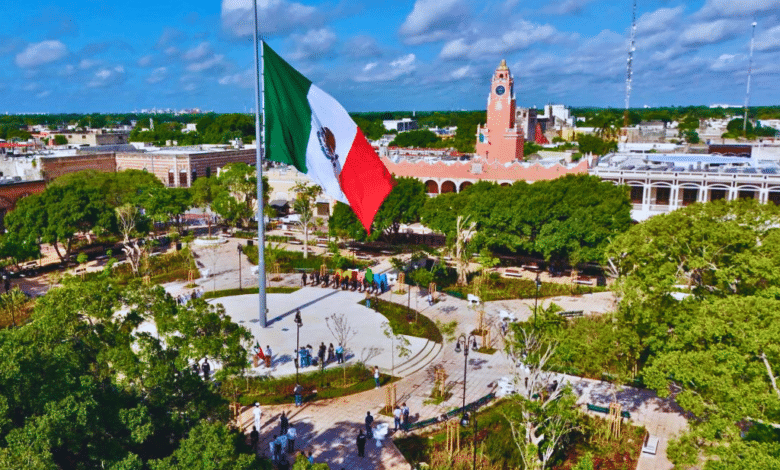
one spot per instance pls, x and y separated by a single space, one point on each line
374 56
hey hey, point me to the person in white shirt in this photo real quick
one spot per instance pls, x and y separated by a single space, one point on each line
291 435
257 412
397 417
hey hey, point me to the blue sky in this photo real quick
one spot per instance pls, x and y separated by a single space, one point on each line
97 56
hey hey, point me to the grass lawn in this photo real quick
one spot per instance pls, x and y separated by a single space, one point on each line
250 290
497 451
405 323
498 288
290 261
316 385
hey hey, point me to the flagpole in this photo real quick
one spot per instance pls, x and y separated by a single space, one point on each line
259 94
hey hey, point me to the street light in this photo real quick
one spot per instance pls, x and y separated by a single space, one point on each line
464 421
299 323
536 297
471 340
240 250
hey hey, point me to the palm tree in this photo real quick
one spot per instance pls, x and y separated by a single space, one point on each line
13 303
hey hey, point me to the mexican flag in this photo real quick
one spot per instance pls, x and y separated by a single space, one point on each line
307 128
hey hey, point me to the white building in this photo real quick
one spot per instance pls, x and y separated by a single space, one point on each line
402 125
661 183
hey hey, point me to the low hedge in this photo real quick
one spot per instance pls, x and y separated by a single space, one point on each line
250 290
402 320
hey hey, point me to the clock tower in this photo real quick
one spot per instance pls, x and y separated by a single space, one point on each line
500 139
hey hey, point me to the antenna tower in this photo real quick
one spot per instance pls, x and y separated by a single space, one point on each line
750 75
630 63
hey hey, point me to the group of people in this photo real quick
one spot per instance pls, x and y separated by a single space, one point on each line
185 297
361 281
325 355
265 357
205 368
282 443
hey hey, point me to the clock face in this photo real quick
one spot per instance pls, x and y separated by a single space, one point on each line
500 90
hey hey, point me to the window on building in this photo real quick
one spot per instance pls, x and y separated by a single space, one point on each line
747 194
717 194
690 195
637 194
774 198
183 179
208 172
194 175
662 195
171 178
323 209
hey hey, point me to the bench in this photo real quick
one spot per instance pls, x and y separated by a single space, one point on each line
422 424
294 241
473 299
650 446
584 280
513 273
572 313
605 410
530 267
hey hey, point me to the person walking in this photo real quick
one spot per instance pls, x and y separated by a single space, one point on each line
376 376
430 299
268 356
297 391
283 423
206 369
282 440
196 368
340 354
272 446
303 279
311 457
369 422
405 413
361 444
291 435
321 354
331 353
397 417
254 438
258 413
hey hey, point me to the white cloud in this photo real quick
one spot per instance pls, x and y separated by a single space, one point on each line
462 72
361 47
216 62
659 20
87 64
172 50
433 20
568 7
107 77
710 32
315 44
728 63
370 66
737 8
41 53
769 40
245 79
520 36
145 61
198 52
399 67
273 17
43 94
157 75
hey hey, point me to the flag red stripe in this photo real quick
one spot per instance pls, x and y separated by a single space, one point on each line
364 180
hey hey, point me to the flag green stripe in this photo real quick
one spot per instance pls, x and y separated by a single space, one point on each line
287 111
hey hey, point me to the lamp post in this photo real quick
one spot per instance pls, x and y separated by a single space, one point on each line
299 323
464 421
536 297
240 249
471 340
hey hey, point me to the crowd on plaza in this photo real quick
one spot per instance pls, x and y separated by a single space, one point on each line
352 279
185 297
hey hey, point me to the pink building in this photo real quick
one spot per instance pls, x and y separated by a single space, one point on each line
501 138
499 151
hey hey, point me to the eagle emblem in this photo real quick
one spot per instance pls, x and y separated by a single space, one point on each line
328 146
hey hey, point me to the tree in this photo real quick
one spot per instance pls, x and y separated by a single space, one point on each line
60 140
342 331
214 440
595 145
691 136
305 206
419 138
715 351
543 416
204 191
399 344
13 303
343 223
402 205
464 231
128 217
